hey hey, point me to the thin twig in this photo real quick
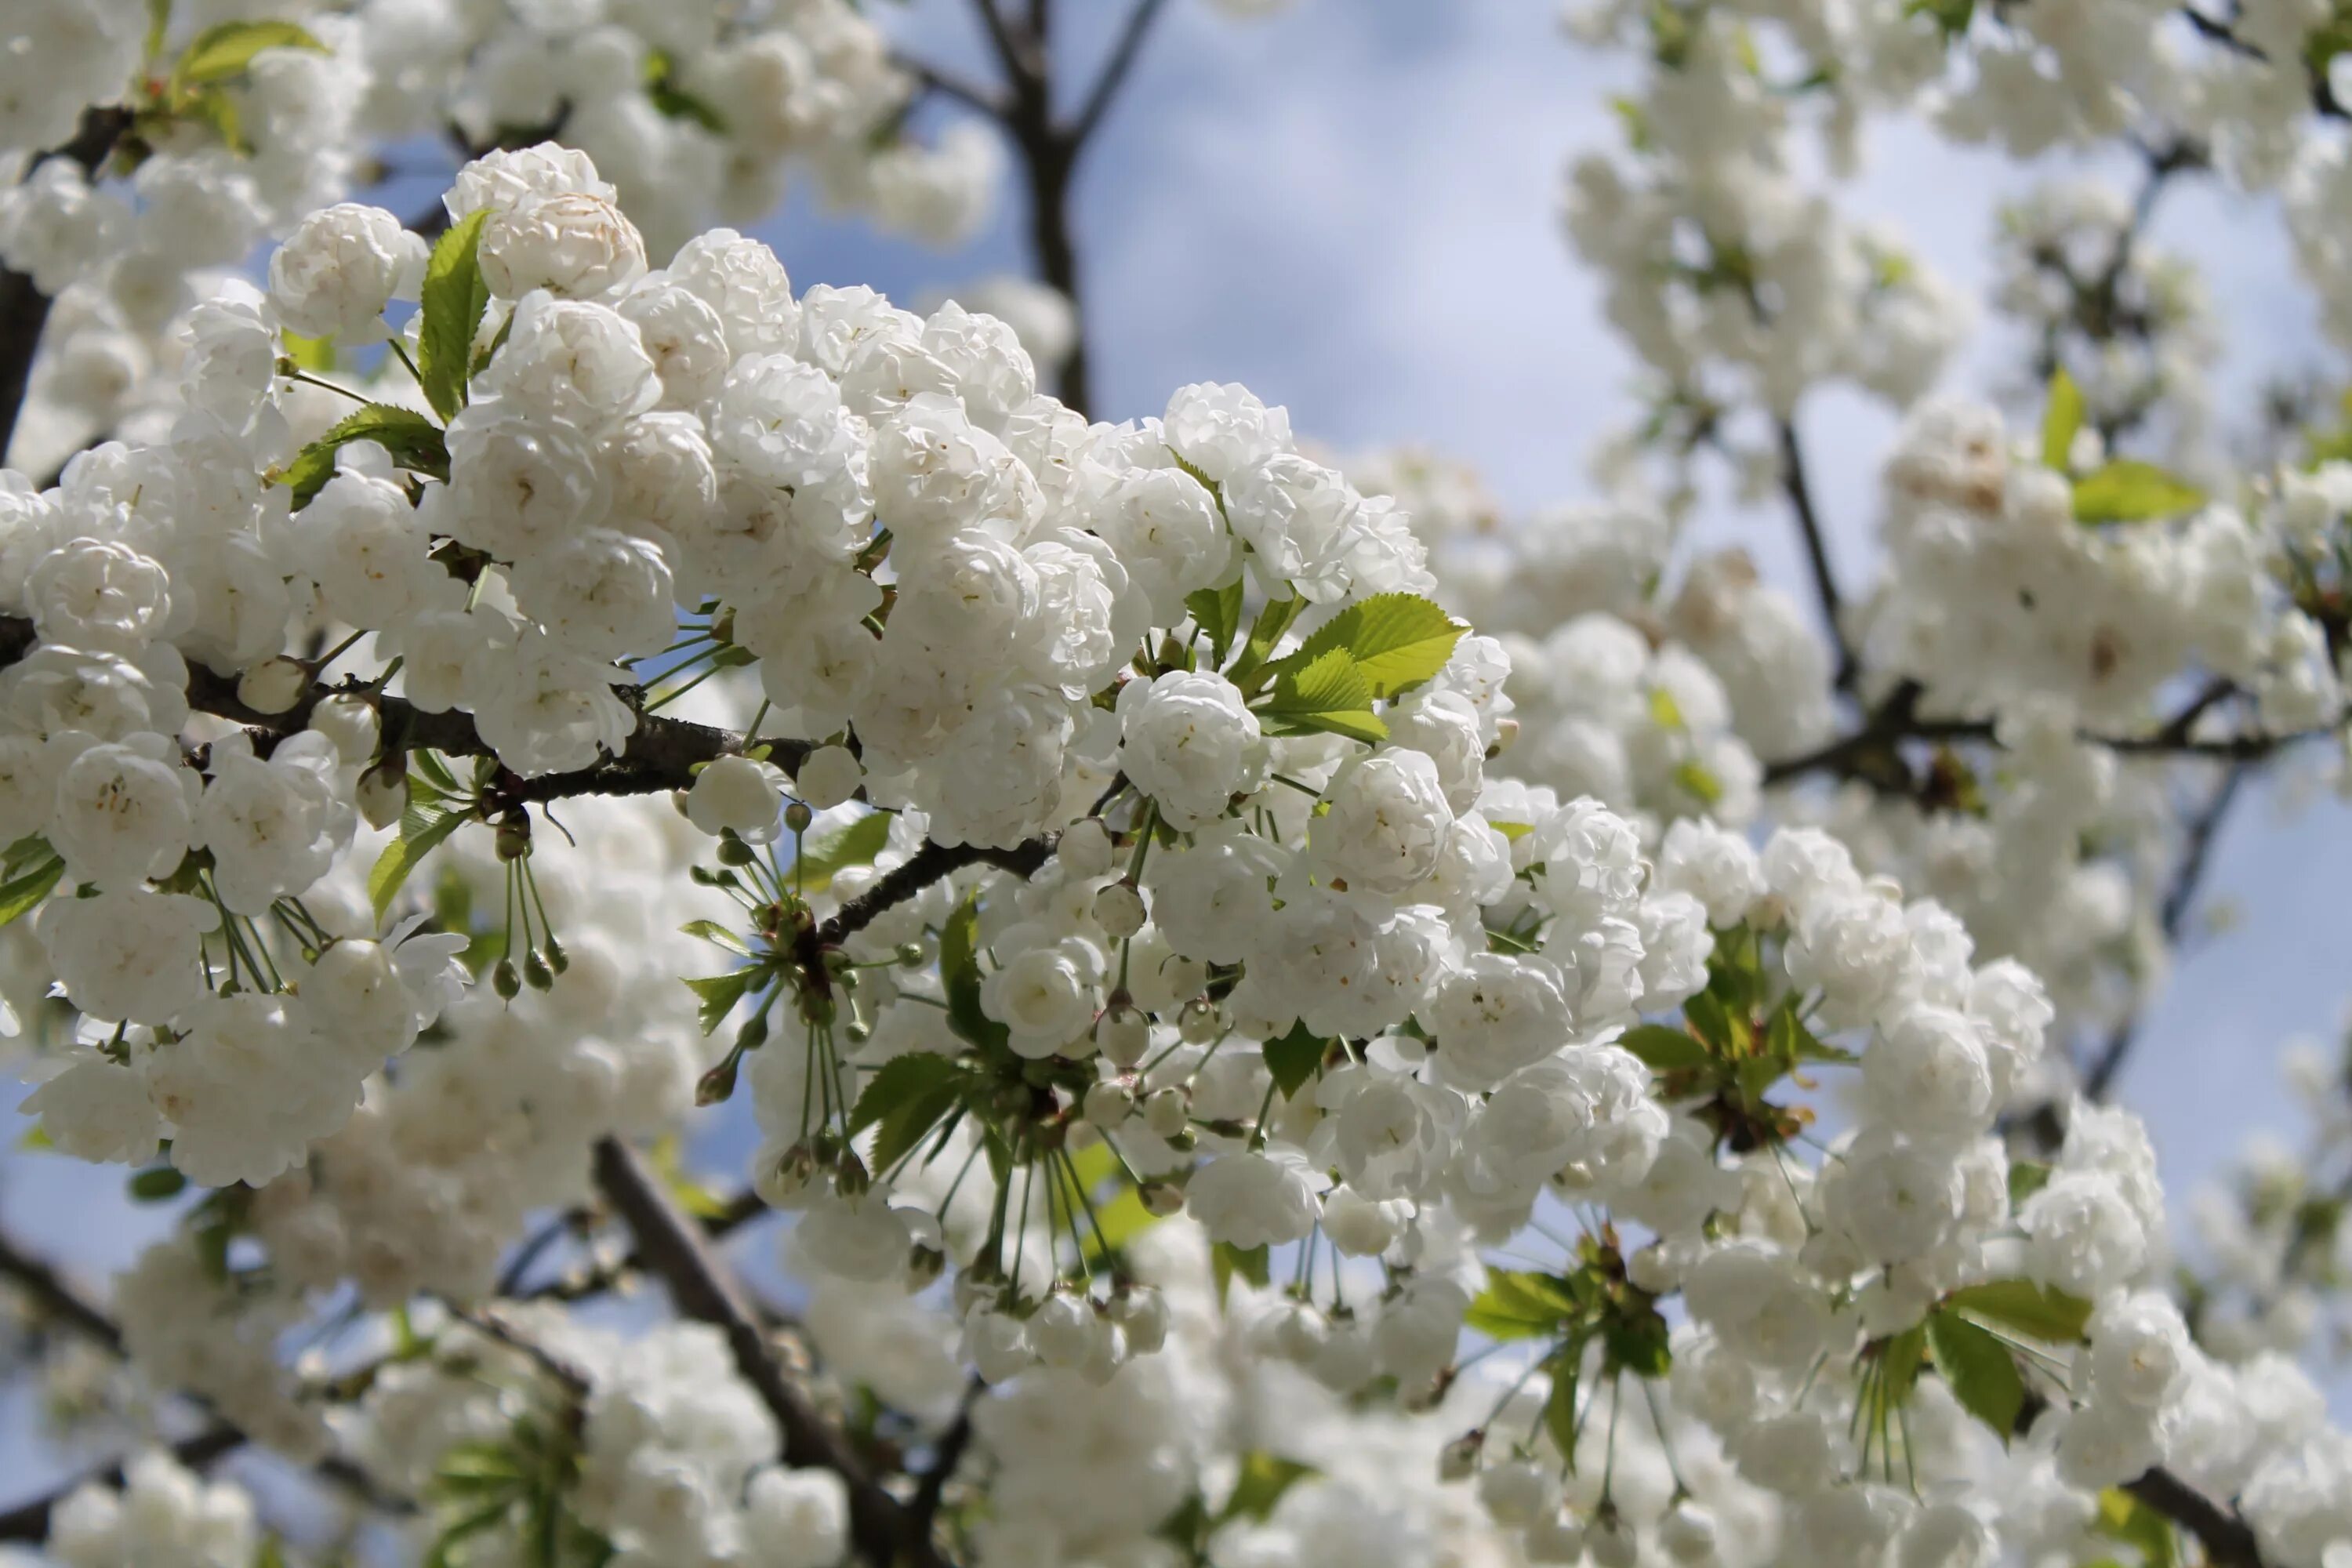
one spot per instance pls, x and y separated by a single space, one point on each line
1797 486
1116 69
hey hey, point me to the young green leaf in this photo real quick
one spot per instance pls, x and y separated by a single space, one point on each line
716 995
2062 419
1979 1368
1249 671
2034 1311
1328 693
2129 491
454 301
960 973
1397 641
910 1097
420 831
1218 613
1226 1261
712 932
1665 1050
22 893
1560 1405
1517 1304
227 51
414 442
1264 1478
1293 1058
854 844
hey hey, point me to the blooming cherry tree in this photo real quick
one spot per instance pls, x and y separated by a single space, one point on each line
1283 1015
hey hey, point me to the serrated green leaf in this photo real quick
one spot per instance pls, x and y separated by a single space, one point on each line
454 299
1293 1058
904 1101
2034 1311
960 973
853 844
712 932
22 893
1253 1264
1979 1370
316 356
421 829
1396 641
1249 671
2062 420
1264 1478
1520 1304
1218 613
220 53
2129 491
717 994
414 442
1327 693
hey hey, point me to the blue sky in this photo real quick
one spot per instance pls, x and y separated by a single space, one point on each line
1350 208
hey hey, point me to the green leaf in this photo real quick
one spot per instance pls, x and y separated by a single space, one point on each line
2128 490
1328 693
223 52
1665 1050
1979 1369
2123 1517
22 893
1122 1219
674 102
1293 1058
1638 1342
960 973
1517 1304
718 993
1513 831
1665 712
1218 613
2034 1311
1560 1405
1249 670
157 1182
1264 1478
421 829
712 932
2026 1177
1951 17
1698 781
414 442
2062 420
454 301
1397 641
316 356
1900 1359
1788 1039
1253 1264
910 1097
853 844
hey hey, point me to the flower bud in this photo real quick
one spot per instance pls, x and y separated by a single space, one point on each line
1201 1022
273 686
1123 1035
382 792
733 851
924 1265
1162 1198
1555 1538
830 777
1107 1104
797 816
718 1085
514 837
506 980
1166 1112
1459 1457
1062 1330
1611 1543
535 972
1143 1311
1118 909
1086 849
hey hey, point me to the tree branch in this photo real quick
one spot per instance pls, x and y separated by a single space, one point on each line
25 310
945 1457
1797 486
702 1289
1116 69
2228 1540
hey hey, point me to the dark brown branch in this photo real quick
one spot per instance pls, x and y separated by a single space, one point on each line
2228 1540
1797 486
919 870
948 85
1116 69
59 1298
25 310
2172 915
702 1289
945 1457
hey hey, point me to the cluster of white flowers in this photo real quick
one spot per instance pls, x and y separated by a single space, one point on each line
161 1517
